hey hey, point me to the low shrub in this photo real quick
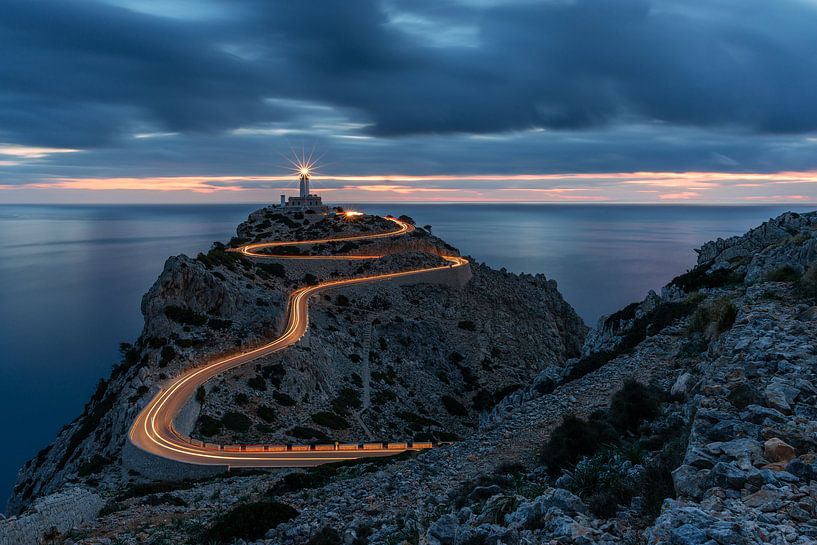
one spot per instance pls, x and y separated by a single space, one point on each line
632 405
166 356
700 277
184 316
93 466
209 426
787 273
575 438
266 413
164 499
453 407
326 536
713 319
346 399
201 394
274 269
237 422
330 420
604 480
807 285
302 432
257 383
283 399
249 521
467 325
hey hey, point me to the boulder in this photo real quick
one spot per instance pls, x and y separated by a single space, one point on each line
777 450
727 475
780 395
681 385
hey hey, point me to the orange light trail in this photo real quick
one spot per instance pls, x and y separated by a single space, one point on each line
153 430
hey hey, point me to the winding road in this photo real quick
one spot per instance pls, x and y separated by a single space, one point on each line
153 430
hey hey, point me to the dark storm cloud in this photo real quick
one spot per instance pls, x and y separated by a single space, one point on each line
85 73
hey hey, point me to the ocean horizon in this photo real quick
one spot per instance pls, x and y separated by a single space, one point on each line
72 277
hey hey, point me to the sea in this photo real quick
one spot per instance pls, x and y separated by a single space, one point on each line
72 278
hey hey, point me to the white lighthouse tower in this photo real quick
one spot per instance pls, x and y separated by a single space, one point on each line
305 200
304 177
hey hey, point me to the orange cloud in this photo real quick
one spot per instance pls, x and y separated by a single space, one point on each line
683 196
775 198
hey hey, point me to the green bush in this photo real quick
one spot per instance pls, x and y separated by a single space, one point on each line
184 315
467 325
249 521
167 355
283 399
274 269
787 273
219 256
346 399
257 383
807 285
302 432
714 318
266 413
201 394
236 422
327 536
218 324
93 466
454 407
209 426
330 420
700 277
575 438
603 480
632 405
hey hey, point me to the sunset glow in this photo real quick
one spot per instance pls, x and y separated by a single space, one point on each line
526 187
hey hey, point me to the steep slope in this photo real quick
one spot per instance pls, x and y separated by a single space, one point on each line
221 302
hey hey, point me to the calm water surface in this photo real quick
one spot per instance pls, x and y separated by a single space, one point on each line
72 277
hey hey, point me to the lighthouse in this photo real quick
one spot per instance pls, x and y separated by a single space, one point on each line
304 177
306 200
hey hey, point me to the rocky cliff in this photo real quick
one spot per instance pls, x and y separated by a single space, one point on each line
687 418
380 361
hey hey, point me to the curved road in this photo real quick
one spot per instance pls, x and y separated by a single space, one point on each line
153 429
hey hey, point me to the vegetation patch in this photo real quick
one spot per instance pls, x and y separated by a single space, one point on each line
302 432
266 413
700 277
330 420
454 407
249 521
347 398
626 451
237 422
219 256
283 399
209 426
651 323
786 273
467 325
184 316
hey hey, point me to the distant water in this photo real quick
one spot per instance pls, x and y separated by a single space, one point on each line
72 277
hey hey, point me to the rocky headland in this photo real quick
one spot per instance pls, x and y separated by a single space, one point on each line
687 418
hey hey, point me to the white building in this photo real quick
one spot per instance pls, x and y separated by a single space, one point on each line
305 199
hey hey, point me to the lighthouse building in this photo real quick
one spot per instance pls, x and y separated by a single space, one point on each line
305 199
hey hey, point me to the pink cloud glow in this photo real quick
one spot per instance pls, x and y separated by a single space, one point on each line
582 187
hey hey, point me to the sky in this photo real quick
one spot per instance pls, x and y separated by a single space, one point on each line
592 101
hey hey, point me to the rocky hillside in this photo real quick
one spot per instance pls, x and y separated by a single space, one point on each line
380 361
688 419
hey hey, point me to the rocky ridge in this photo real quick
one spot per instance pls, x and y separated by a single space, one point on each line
717 449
